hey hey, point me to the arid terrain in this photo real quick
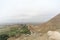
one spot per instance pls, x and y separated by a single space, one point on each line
38 32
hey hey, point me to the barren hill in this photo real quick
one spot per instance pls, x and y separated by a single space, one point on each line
55 22
52 24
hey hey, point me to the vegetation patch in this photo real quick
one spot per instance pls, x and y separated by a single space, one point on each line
13 32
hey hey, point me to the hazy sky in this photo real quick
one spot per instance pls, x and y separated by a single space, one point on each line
28 10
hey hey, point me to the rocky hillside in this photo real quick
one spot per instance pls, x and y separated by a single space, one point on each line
52 24
55 21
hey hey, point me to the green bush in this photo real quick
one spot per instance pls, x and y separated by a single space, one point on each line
25 30
4 37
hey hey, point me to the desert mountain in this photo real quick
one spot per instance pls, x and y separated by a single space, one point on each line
55 21
52 24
